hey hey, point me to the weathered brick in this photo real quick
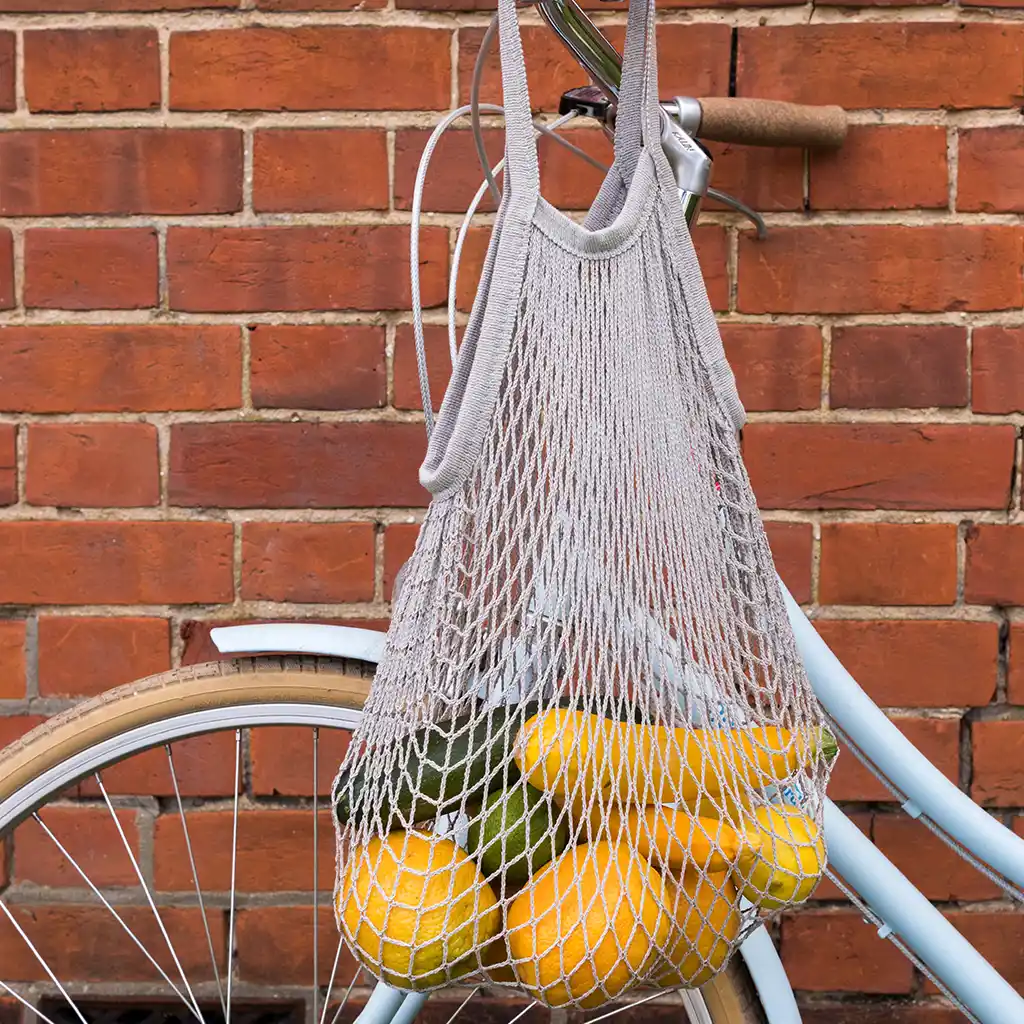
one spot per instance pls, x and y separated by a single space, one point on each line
915 663
406 374
997 369
282 760
120 171
69 70
887 563
296 465
997 748
898 367
879 465
8 464
990 169
915 175
776 367
900 268
322 169
137 368
7 70
1015 670
908 65
98 465
233 270
74 6
317 366
308 562
98 268
791 550
275 945
399 542
12 660
325 67
994 557
69 562
81 656
6 268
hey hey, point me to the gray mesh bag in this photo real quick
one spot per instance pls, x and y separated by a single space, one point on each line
590 757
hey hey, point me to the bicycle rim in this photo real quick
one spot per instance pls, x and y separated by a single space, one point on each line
177 921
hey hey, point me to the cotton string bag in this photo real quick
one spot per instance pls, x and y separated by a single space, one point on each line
590 756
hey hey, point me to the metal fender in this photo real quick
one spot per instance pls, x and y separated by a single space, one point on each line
300 638
769 977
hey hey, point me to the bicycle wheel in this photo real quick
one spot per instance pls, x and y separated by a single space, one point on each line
93 921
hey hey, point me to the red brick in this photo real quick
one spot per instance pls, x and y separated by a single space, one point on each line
137 368
94 465
204 766
13 727
998 749
712 246
320 5
791 549
7 70
776 367
881 268
915 176
275 945
311 68
835 951
826 889
282 760
89 835
6 268
69 562
918 663
8 464
72 6
693 60
879 465
474 253
320 170
120 171
77 941
297 465
406 374
887 563
335 366
275 851
767 179
233 270
937 738
68 70
399 542
936 869
997 369
994 558
998 936
897 367
875 1012
1015 672
99 268
990 171
587 5
884 64
308 562
12 659
84 656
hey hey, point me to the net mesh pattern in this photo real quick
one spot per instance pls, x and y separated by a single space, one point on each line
590 757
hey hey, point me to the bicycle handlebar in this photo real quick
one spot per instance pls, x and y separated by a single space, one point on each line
771 122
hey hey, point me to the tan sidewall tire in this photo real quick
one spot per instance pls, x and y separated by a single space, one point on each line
330 682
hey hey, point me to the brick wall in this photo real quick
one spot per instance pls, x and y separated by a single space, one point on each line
208 408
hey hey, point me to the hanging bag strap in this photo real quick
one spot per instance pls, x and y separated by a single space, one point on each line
638 115
522 177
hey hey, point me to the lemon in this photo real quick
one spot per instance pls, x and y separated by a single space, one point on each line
790 861
707 923
414 907
586 926
516 835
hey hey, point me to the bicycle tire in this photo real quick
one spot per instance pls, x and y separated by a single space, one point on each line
337 684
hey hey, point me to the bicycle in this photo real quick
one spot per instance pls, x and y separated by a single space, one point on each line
321 685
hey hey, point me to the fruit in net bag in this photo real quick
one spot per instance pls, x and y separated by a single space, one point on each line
413 907
587 925
790 860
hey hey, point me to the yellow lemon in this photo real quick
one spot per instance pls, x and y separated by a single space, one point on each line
790 861
582 928
707 923
414 907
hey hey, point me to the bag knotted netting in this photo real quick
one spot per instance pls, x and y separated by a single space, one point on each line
590 756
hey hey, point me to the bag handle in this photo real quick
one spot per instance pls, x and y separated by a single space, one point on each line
522 177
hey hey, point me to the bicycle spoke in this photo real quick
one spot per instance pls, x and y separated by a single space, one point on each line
117 917
42 962
524 1011
330 984
195 878
344 998
626 1006
24 1002
194 1006
462 1005
316 873
234 866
